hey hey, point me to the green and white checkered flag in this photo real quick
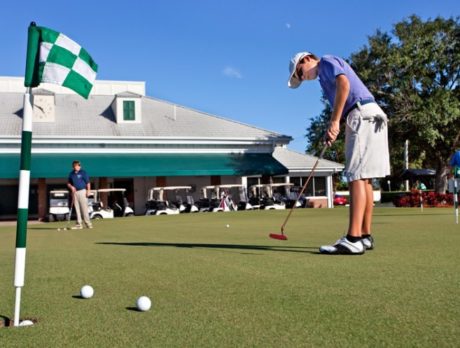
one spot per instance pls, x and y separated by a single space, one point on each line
54 58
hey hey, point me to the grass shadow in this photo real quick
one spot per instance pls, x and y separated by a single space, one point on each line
414 214
292 249
134 309
47 228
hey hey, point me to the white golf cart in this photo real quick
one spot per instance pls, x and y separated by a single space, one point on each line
218 198
230 191
268 196
117 204
183 199
59 205
158 204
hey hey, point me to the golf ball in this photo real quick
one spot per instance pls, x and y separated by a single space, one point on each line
87 291
143 303
228 225
59 229
26 323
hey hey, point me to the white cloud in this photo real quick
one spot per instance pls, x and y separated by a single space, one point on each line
232 72
288 25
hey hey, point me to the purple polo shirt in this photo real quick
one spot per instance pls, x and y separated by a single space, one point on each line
329 68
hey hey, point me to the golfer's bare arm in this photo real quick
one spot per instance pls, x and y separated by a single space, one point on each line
341 95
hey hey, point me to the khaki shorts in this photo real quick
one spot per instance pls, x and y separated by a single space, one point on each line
366 143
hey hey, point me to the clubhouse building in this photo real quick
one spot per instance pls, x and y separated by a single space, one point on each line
126 139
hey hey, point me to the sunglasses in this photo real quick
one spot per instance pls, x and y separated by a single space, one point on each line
298 70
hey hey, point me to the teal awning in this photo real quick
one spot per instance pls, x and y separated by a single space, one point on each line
135 165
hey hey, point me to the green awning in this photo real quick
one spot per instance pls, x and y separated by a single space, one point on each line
135 165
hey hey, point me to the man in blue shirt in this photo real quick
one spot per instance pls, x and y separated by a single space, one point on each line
78 182
366 140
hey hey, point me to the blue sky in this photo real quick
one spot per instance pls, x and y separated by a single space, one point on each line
229 58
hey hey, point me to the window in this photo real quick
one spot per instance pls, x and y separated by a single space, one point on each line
128 110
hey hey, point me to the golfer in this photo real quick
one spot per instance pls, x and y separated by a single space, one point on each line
78 182
366 140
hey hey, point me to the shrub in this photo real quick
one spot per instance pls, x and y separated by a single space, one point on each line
430 199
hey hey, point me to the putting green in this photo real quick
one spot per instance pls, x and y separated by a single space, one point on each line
218 286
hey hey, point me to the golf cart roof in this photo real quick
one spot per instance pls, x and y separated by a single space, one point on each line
112 190
166 188
210 187
273 185
59 192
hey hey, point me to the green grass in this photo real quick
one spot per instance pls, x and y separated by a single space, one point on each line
213 286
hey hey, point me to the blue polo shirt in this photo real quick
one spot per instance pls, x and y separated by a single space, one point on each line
78 179
329 68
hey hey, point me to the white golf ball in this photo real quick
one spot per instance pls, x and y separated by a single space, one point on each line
143 303
228 225
87 291
59 229
26 323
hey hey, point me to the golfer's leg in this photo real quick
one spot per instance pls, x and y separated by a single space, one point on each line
367 221
76 200
357 207
84 209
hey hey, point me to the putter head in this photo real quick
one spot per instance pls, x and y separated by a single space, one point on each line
278 236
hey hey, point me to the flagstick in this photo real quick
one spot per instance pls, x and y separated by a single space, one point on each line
421 201
456 200
23 202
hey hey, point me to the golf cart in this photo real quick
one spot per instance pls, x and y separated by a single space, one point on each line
157 204
117 204
219 200
59 205
268 196
236 190
292 197
186 205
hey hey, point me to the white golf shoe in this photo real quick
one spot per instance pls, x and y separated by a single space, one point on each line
343 247
368 242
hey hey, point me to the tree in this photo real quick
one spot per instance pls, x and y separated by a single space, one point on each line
414 74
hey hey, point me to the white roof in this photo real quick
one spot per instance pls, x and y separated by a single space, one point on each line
298 162
76 117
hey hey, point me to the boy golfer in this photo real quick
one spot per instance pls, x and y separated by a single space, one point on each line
366 140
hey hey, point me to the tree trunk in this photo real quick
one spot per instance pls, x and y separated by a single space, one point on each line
442 169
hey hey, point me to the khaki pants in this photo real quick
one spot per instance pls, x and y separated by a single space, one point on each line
80 202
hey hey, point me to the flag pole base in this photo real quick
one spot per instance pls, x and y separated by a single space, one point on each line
17 306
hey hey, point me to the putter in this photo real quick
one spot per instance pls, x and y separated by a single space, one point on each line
282 236
67 226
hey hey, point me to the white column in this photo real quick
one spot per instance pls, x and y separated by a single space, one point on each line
329 191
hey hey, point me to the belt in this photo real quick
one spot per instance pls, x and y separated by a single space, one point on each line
358 104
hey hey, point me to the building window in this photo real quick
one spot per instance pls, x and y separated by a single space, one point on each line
128 110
